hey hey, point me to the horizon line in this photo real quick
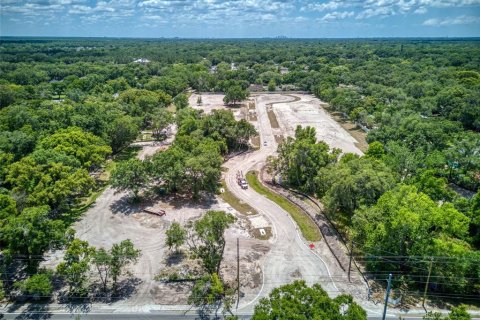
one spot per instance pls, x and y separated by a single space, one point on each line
279 37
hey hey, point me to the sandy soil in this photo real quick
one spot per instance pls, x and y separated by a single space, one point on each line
308 111
149 148
215 102
114 219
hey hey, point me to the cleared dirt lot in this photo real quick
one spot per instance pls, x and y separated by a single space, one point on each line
215 102
114 219
307 110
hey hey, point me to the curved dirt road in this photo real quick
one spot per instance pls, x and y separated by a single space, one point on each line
290 257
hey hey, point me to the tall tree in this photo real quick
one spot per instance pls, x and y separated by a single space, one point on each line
234 94
131 176
207 239
122 131
122 255
89 149
75 266
176 236
298 301
31 233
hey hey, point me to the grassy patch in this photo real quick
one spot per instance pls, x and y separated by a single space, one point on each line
308 228
235 203
147 136
273 119
127 153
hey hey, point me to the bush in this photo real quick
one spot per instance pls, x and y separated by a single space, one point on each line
38 286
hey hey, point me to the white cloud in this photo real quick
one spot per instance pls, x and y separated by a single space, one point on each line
232 12
448 3
420 10
381 11
337 15
331 5
436 22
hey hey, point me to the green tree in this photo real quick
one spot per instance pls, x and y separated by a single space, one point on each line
8 206
459 313
160 121
52 183
207 239
38 286
301 158
474 214
407 223
122 255
122 131
168 168
31 233
89 149
145 101
432 316
234 94
202 171
436 188
456 313
375 150
76 265
289 302
176 236
131 175
211 291
102 261
272 85
351 183
181 101
112 263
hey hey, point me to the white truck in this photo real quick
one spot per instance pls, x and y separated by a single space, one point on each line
241 180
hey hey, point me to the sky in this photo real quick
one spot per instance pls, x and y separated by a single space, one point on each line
240 18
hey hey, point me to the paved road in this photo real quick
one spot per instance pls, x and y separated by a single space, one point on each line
165 315
290 258
116 316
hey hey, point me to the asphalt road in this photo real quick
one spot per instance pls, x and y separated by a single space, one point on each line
165 315
290 258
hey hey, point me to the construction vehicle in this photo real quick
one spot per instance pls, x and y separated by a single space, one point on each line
241 180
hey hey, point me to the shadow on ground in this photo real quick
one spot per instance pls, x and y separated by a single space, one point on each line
36 312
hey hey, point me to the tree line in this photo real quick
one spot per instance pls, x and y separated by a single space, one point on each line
396 223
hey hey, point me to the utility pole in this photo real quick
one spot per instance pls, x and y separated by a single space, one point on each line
350 262
238 271
386 296
428 280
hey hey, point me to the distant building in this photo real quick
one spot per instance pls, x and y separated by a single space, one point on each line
283 70
142 60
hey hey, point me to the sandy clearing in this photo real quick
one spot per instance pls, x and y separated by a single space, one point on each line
212 102
308 111
113 219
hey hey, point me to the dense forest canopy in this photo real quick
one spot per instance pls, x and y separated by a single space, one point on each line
67 104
